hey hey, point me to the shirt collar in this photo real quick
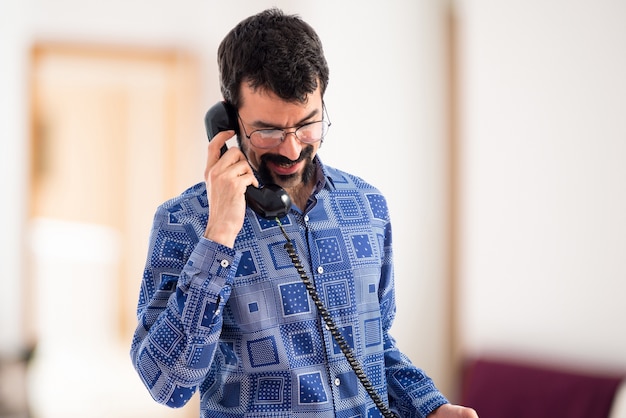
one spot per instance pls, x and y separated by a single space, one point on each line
323 176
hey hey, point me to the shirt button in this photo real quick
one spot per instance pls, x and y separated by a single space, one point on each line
337 381
320 269
306 218
217 312
224 263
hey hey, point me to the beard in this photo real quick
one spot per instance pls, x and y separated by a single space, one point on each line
305 177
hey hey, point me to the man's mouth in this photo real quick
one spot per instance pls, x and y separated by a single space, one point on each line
275 167
284 168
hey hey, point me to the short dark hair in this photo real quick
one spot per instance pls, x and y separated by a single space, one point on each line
273 51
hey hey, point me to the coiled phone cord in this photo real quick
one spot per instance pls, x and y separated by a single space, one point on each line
339 339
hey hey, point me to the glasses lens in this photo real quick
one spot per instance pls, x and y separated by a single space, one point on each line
312 132
266 138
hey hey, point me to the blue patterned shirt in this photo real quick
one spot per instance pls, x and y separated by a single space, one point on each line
238 325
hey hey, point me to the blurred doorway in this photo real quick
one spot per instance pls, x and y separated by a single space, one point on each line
112 138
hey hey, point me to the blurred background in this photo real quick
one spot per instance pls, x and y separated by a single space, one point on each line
496 129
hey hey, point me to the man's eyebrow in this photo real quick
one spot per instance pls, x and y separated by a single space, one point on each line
259 124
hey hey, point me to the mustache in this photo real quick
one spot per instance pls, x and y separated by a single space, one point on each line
306 153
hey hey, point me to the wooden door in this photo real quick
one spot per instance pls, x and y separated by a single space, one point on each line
113 131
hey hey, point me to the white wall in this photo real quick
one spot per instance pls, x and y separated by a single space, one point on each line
385 98
543 210
13 131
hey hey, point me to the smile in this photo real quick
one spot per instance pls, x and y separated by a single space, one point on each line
284 169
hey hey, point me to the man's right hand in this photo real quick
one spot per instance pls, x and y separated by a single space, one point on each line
227 178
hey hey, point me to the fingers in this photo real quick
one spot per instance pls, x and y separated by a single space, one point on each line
218 154
230 159
230 170
240 174
227 176
215 148
457 411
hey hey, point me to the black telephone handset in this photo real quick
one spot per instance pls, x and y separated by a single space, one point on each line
269 201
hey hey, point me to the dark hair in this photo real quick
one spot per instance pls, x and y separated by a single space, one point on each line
273 51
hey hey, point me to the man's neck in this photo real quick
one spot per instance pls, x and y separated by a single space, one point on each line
300 194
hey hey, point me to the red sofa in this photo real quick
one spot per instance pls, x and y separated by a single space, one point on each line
501 388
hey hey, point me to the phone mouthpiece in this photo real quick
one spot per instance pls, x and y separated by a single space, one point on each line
269 201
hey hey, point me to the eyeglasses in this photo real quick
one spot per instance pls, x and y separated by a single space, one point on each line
308 133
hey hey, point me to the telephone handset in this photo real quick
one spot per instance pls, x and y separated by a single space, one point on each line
269 201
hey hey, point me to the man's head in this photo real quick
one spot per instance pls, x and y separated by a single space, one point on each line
274 52
274 73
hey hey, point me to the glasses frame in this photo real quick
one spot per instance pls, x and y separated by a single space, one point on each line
290 130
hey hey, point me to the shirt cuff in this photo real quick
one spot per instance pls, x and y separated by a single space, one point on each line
209 265
205 286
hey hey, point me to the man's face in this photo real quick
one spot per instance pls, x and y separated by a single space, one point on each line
290 163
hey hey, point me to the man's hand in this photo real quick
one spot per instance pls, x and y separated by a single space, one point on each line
226 180
453 411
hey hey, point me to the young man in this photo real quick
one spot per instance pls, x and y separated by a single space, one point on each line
224 308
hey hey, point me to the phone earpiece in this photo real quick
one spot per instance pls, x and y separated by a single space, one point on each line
220 117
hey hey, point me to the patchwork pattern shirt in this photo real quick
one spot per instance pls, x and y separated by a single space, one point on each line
238 325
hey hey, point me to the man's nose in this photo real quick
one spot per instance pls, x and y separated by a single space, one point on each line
291 147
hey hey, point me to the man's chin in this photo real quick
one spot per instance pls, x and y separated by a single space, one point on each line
287 181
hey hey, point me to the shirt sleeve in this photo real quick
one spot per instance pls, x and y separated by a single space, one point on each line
186 283
411 392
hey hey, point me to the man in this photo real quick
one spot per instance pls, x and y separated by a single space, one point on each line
224 308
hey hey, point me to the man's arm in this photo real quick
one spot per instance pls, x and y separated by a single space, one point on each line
187 280
183 291
421 394
408 386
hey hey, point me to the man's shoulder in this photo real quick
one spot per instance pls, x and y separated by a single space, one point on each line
344 180
191 201
348 186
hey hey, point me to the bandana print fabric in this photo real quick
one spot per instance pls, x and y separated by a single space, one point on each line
238 325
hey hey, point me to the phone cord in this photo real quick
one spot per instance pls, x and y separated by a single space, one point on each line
339 339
